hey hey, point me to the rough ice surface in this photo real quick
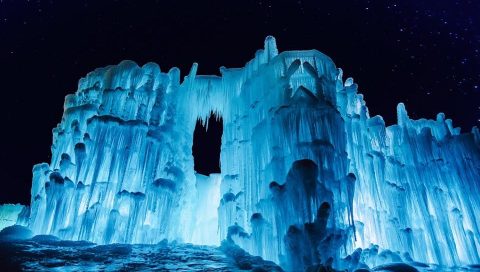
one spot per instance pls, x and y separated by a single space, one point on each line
307 176
49 253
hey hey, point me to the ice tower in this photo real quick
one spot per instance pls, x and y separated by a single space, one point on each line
307 176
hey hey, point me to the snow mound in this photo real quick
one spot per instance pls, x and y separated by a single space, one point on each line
395 267
15 232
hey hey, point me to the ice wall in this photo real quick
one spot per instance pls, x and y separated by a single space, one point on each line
306 175
205 227
418 184
121 168
9 214
289 142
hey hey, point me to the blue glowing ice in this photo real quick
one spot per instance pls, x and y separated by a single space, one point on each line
307 176
9 214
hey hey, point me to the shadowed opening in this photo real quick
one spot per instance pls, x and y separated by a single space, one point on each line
207 140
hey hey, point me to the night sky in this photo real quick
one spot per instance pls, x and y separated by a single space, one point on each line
423 53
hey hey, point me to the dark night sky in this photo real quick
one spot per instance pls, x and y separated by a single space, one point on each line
423 53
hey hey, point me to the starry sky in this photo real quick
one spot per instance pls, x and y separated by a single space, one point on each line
423 53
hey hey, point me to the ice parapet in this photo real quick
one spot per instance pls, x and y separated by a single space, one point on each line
307 176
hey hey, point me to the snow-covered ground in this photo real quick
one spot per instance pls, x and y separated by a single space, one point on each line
21 251
47 253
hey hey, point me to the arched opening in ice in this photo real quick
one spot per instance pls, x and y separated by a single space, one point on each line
207 139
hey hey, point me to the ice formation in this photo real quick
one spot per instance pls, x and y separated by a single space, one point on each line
307 176
9 214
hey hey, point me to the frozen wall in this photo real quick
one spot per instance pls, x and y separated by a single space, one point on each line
9 214
306 175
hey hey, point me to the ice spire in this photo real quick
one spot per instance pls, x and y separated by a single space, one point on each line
402 115
270 47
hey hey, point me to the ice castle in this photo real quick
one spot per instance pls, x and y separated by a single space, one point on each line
307 176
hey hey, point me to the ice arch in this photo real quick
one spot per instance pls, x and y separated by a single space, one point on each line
122 168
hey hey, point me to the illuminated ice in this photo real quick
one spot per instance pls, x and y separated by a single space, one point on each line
9 214
307 176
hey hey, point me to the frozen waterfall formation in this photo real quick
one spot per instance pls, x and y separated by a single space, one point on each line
307 176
